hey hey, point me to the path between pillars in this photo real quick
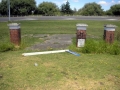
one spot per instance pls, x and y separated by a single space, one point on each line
55 41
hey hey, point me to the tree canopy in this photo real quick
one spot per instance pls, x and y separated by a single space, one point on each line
18 7
28 7
48 8
91 9
65 8
22 7
115 9
3 7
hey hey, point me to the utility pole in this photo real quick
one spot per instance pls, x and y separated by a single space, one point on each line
9 8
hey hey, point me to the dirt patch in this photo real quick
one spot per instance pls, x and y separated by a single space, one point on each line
56 41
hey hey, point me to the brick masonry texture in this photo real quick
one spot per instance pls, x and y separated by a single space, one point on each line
15 36
81 34
109 36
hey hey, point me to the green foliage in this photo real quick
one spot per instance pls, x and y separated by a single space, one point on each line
48 9
6 47
59 71
108 12
65 8
92 46
62 71
118 36
28 7
115 9
114 48
3 7
18 7
97 47
22 7
91 9
31 28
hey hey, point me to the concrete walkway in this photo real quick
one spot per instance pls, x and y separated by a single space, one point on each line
56 41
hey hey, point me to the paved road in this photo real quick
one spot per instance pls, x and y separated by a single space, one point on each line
3 19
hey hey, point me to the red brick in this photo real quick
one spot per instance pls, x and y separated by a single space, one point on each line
15 36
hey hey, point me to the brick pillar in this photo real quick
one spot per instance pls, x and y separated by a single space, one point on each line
109 33
15 33
81 35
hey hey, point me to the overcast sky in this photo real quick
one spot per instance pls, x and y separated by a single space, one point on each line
80 3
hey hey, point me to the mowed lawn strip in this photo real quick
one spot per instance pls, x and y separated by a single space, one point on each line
58 71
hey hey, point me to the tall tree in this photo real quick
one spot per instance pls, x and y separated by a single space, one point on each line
91 9
3 7
108 12
22 7
48 8
75 11
65 8
18 7
115 9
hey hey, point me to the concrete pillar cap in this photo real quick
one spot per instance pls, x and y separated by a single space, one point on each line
110 25
14 24
84 25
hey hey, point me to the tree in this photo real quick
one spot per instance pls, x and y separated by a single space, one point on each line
18 7
48 8
115 9
108 12
65 8
3 7
75 11
22 7
91 9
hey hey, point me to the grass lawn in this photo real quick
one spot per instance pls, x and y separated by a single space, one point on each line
62 71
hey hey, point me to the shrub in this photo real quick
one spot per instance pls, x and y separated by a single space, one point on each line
118 36
97 46
92 46
6 47
114 48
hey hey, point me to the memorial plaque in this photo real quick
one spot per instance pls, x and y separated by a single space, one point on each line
81 42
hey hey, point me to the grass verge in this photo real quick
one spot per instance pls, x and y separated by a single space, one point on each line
97 47
58 71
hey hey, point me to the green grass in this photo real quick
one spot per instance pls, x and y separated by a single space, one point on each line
95 28
62 71
97 46
59 71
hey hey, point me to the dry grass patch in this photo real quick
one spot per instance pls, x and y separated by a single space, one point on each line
87 84
49 64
